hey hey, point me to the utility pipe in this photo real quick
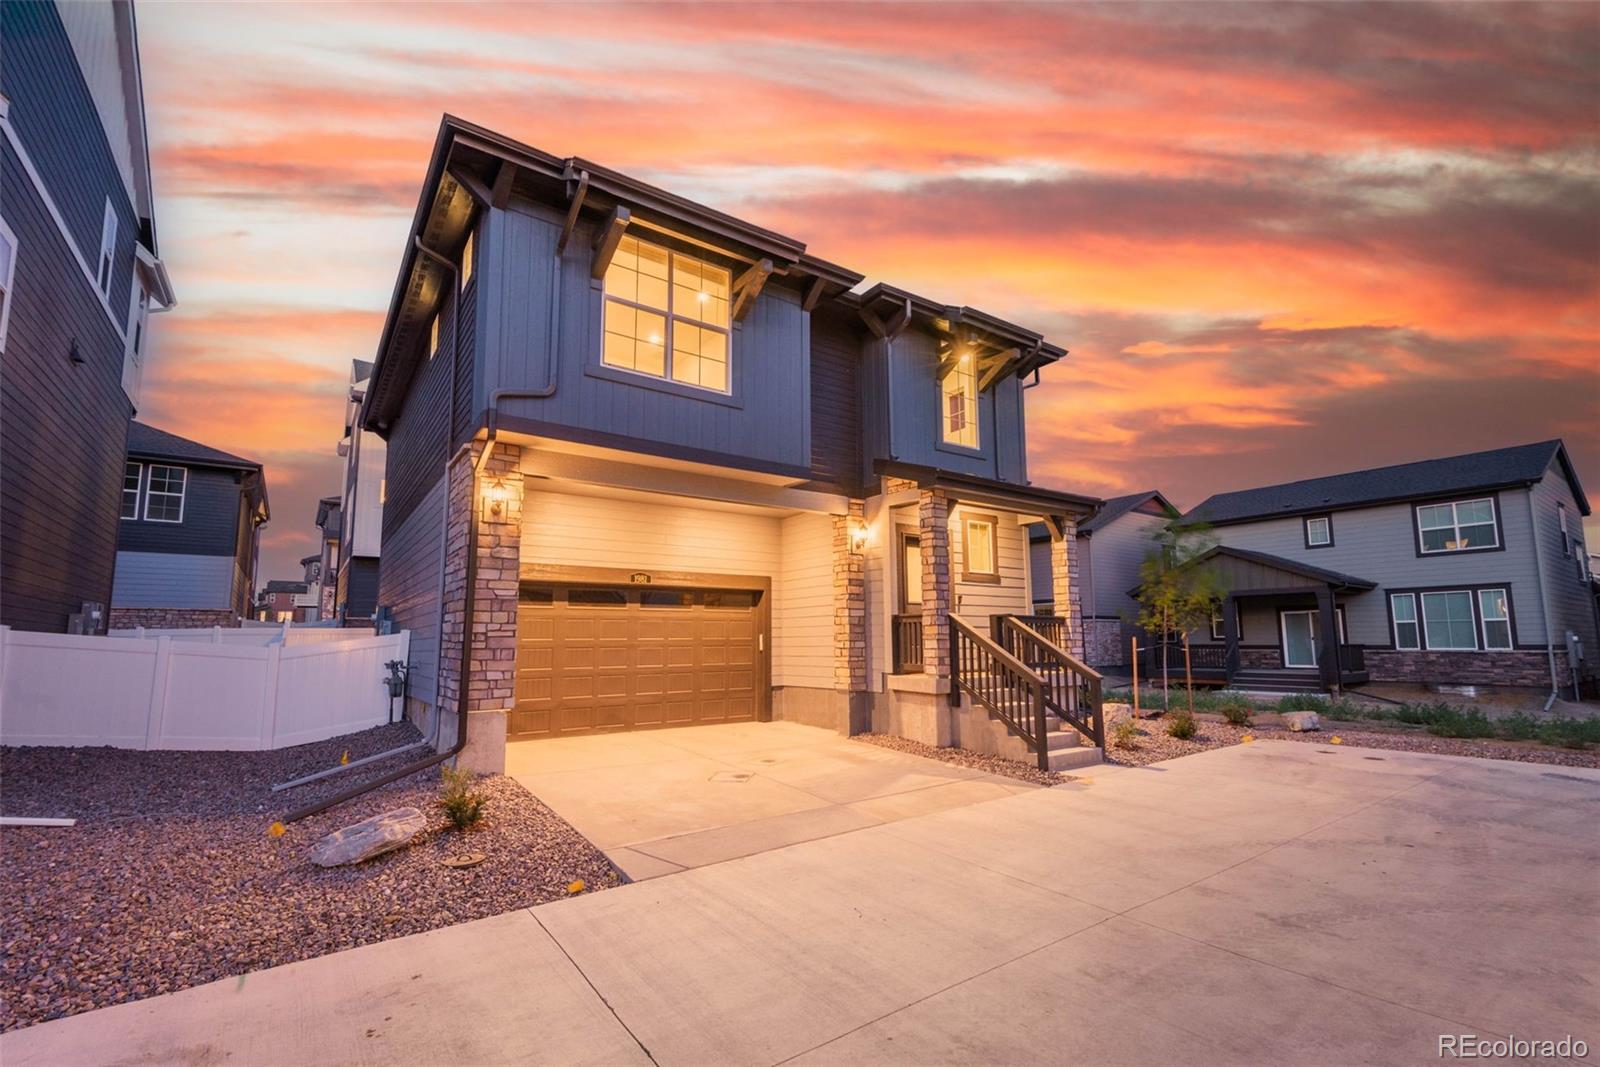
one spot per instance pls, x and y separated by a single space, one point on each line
1544 605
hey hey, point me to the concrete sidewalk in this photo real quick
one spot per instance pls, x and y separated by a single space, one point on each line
1270 903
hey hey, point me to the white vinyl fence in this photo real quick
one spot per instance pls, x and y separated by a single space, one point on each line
169 692
260 634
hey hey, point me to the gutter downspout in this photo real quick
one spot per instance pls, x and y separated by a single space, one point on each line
461 679
1544 604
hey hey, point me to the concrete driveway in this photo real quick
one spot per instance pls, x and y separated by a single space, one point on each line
1272 903
660 801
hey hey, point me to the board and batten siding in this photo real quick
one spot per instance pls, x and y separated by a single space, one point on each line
836 346
174 580
538 323
910 390
803 620
1379 544
1572 604
409 585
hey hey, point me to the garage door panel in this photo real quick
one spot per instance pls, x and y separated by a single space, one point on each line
593 659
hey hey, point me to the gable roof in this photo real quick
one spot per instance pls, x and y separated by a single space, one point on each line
1116 507
147 441
1337 579
1499 468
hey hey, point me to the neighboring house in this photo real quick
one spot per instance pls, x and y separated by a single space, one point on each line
79 273
285 601
361 536
1464 570
330 522
1112 545
189 533
671 470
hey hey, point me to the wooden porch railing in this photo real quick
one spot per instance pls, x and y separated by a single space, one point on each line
1001 684
1072 688
1052 628
906 635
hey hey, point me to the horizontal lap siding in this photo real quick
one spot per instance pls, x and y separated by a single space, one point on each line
173 580
211 513
1571 602
1119 549
408 584
592 531
803 624
977 601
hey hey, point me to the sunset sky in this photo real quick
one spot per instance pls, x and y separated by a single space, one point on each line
1279 241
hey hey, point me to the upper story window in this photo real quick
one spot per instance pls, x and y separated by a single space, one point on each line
468 259
108 251
433 337
1566 531
959 398
164 492
980 553
1319 531
8 273
1459 526
666 315
130 490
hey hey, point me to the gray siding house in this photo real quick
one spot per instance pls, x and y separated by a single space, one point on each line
189 531
651 465
79 276
1112 545
1464 570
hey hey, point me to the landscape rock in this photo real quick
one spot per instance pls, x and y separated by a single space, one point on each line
1301 721
369 838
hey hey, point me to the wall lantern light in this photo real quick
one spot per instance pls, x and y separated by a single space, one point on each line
858 536
495 498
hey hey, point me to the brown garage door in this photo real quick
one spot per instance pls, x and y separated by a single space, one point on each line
592 659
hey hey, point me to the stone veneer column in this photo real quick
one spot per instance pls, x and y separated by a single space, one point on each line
1064 584
849 605
491 683
933 520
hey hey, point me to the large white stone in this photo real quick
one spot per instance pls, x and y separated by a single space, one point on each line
369 837
1301 721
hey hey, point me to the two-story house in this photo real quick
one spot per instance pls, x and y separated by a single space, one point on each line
361 507
281 600
79 274
652 465
189 533
1113 545
1470 569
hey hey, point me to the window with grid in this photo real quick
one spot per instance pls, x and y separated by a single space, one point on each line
959 396
130 490
163 493
666 315
1458 526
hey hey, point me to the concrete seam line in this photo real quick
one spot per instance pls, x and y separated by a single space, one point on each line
945 989
590 982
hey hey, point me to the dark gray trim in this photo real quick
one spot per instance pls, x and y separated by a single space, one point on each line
1477 617
1305 530
1457 498
601 439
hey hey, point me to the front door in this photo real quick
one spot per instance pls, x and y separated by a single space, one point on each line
1299 638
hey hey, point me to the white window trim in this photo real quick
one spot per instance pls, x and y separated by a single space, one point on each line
1566 532
972 411
138 487
967 523
1422 619
1454 505
183 494
9 281
672 317
1484 620
1327 525
1415 620
106 261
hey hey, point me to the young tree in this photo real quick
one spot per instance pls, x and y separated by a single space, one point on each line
1174 598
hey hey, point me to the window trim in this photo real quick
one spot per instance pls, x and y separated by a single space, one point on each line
137 490
633 376
1395 622
1473 591
1305 529
1566 532
993 522
1484 620
8 282
1454 503
106 263
944 442
1422 604
469 256
433 335
182 494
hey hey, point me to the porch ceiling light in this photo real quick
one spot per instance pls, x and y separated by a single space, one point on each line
858 536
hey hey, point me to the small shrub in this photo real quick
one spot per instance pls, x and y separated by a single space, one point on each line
1236 713
1125 734
1302 702
1518 727
462 804
1180 724
1570 733
1454 722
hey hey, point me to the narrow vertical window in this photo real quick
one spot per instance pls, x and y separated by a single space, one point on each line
468 262
979 551
1566 532
959 397
1406 635
1495 610
433 337
8 273
130 490
108 251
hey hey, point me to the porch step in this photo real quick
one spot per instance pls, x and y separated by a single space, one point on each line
1075 758
1277 681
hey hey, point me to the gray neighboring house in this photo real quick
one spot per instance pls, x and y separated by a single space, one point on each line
1112 545
189 533
1468 570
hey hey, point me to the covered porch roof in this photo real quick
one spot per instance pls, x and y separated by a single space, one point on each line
1245 572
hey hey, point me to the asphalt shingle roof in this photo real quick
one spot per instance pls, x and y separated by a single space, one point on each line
148 441
1118 506
1497 468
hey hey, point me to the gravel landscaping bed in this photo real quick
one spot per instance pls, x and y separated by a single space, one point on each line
171 879
1153 744
962 757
